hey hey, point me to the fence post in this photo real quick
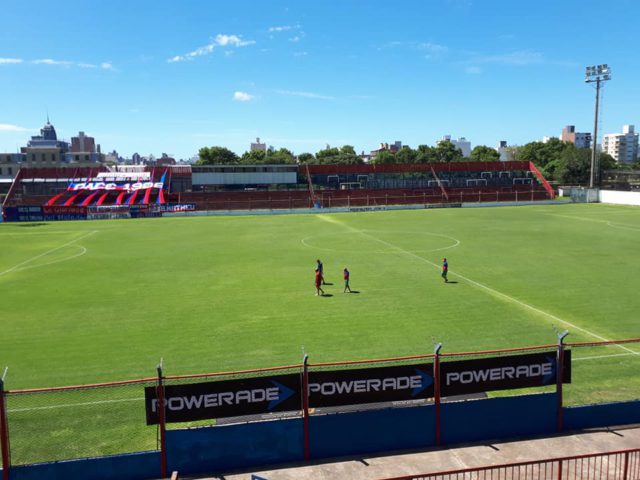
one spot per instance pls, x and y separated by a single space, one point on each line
559 375
162 422
625 473
305 404
559 469
436 391
4 432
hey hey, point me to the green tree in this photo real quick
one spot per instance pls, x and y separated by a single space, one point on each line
425 154
383 157
406 155
328 156
307 158
607 162
348 156
546 156
279 157
344 155
482 153
216 156
573 166
447 152
254 157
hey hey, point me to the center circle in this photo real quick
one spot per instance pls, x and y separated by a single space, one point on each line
375 241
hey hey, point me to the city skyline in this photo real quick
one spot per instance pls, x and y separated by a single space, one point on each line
176 78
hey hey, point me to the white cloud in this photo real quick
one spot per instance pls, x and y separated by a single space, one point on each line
6 61
433 49
300 54
49 61
220 40
242 97
305 94
66 63
295 39
473 70
284 28
6 127
518 58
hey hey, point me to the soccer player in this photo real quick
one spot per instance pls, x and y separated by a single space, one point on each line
346 281
321 268
318 282
445 269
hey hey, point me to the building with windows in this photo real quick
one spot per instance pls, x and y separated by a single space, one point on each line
83 150
385 147
462 143
45 149
579 139
258 147
623 147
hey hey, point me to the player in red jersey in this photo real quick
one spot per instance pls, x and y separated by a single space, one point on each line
319 290
346 281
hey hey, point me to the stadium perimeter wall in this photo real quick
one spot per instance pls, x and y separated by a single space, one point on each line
619 198
244 446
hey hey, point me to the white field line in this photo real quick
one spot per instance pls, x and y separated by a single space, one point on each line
305 242
490 290
16 267
594 357
83 250
622 226
68 405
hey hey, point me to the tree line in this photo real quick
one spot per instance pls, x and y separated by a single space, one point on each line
559 161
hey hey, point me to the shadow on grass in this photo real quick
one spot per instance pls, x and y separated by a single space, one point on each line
450 281
354 291
327 295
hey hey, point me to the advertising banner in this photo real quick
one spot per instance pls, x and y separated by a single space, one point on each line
502 373
226 398
370 385
177 207
127 187
62 210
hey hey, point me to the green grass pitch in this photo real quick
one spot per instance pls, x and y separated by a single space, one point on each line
85 302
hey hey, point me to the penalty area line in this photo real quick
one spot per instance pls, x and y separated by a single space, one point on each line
494 292
16 267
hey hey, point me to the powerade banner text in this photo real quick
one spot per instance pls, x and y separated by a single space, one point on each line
227 398
370 385
502 373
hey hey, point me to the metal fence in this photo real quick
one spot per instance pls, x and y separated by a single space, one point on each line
339 199
61 423
619 465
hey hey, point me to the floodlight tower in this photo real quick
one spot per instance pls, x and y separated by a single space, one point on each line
596 74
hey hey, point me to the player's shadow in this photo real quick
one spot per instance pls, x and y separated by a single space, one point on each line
327 283
354 291
451 281
327 295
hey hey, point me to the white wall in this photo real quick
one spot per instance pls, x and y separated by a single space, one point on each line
620 198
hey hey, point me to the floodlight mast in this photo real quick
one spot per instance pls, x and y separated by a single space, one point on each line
596 74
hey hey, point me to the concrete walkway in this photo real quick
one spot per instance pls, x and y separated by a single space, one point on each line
476 455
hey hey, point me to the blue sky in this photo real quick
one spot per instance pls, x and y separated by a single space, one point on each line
173 76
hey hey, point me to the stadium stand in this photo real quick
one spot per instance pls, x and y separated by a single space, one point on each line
276 186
